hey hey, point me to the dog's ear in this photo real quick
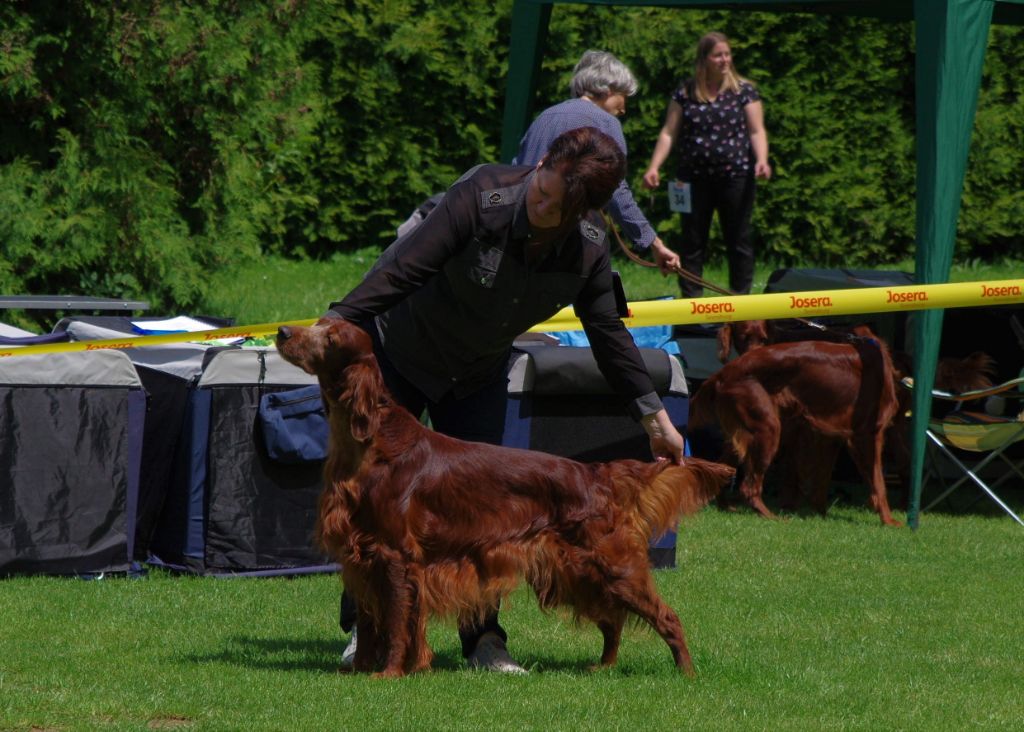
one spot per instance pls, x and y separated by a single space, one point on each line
364 390
724 342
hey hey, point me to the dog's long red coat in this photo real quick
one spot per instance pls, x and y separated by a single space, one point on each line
818 390
424 524
810 456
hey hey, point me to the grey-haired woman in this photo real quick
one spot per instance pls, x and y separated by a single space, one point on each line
600 85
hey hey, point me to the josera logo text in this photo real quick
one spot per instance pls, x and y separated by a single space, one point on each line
699 308
1010 291
809 302
915 296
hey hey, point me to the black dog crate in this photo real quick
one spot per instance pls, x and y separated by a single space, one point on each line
561 404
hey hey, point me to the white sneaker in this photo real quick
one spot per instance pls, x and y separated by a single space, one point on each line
491 654
348 656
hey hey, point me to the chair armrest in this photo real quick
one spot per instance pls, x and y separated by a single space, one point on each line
1014 386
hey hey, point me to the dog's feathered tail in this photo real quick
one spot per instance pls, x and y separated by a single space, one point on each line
657 495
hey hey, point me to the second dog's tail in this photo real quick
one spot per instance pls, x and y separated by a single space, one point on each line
702 405
668 492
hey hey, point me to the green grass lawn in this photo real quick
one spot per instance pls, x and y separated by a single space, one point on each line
804 623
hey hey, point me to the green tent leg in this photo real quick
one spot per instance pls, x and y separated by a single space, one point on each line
529 32
951 40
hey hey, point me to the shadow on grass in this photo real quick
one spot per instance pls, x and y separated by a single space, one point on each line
785 513
295 654
275 654
322 655
657 663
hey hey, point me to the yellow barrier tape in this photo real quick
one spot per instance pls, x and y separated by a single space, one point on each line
806 304
661 312
130 341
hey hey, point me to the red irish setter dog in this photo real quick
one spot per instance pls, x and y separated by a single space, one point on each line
818 393
811 454
424 525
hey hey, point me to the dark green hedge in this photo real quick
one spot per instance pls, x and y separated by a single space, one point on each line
143 145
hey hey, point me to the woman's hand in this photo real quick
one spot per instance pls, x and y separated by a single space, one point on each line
758 139
666 442
665 258
652 179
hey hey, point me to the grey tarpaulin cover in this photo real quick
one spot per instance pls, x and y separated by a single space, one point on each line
70 445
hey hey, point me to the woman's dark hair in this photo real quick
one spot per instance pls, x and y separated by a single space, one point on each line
592 166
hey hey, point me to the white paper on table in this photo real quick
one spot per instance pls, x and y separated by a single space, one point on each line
179 324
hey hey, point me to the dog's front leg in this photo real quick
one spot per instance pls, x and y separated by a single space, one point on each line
419 656
395 626
752 488
366 648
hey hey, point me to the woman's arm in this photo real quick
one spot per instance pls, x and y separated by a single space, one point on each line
666 138
413 259
758 139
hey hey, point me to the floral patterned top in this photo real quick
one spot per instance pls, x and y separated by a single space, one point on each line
714 141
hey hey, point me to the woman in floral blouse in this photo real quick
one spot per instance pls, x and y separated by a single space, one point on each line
719 121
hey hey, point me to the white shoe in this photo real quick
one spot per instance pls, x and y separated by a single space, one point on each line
348 656
491 654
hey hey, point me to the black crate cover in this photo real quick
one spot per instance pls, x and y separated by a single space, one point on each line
168 374
71 427
560 403
231 509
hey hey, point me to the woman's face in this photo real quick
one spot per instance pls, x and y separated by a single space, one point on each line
720 58
544 199
614 104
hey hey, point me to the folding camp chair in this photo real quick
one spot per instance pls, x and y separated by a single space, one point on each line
978 432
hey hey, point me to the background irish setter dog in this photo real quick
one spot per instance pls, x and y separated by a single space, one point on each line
808 456
820 393
426 525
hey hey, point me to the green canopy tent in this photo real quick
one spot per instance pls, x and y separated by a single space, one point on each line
951 38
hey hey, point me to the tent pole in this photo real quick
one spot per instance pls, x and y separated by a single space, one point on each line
952 36
529 33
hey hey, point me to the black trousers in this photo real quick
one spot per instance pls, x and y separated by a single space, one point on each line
478 417
733 199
